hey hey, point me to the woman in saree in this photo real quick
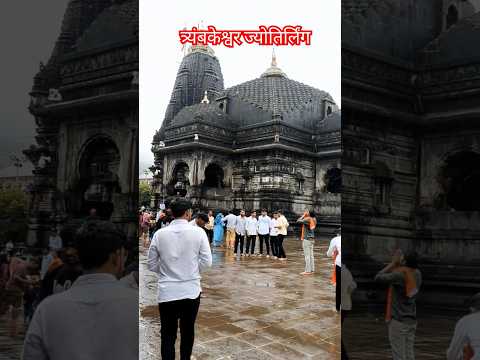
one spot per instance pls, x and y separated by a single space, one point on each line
218 229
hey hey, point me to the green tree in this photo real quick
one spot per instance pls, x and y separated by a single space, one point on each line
144 193
13 214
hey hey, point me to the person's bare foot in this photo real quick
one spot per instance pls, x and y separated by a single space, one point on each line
306 273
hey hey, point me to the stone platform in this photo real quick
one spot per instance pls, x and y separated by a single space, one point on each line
255 308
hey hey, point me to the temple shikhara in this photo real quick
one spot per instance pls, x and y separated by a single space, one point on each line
85 104
411 141
269 142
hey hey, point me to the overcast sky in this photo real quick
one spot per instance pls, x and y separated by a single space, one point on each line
28 30
30 40
317 65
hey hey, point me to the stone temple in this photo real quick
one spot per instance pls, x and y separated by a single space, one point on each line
411 141
269 142
85 104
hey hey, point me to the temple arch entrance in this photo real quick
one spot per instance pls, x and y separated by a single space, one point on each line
214 176
98 170
178 183
333 180
460 179
452 16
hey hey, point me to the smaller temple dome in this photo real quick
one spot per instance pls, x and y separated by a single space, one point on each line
207 112
116 24
457 45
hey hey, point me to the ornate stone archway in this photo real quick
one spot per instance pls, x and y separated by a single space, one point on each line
98 179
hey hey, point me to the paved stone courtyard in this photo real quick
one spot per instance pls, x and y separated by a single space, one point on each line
365 335
255 308
10 348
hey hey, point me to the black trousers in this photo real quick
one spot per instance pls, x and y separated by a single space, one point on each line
274 245
210 235
338 287
239 239
265 238
344 351
171 313
281 250
251 240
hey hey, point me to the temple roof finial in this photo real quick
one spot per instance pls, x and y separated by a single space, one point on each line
274 70
205 98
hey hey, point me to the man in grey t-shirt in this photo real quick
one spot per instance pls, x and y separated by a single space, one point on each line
404 280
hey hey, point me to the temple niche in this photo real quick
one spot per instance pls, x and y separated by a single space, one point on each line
459 178
180 180
411 142
85 104
98 177
245 148
213 177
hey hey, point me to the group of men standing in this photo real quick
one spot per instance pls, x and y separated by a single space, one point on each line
270 231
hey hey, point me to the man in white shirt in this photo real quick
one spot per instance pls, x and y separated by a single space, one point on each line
335 249
200 220
97 311
264 231
465 343
251 225
274 227
231 221
177 254
240 231
282 232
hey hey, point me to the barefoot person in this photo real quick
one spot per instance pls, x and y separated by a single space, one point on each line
177 254
307 236
404 280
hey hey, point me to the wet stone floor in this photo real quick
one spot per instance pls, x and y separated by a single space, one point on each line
255 308
365 335
10 347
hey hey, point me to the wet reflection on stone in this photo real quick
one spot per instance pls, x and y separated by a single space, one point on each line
365 335
10 347
255 308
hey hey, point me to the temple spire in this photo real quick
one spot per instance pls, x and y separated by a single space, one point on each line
205 98
274 58
274 70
